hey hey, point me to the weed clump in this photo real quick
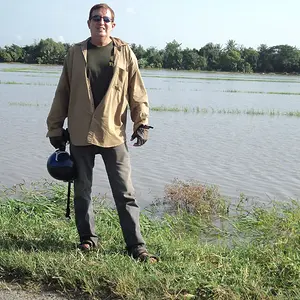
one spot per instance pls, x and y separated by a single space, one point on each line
194 198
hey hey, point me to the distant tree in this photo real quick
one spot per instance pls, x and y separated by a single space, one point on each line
231 61
284 58
212 57
30 54
154 57
5 56
15 52
231 46
50 52
264 63
191 60
250 56
211 52
67 47
143 63
173 56
138 50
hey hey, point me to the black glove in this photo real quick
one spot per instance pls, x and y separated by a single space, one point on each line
60 142
141 135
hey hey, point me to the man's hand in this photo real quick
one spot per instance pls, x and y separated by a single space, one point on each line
59 142
141 135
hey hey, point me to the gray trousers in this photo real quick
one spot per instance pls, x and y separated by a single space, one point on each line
118 169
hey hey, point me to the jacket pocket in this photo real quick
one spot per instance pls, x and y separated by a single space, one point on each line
122 76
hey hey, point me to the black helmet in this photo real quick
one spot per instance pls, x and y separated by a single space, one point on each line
61 167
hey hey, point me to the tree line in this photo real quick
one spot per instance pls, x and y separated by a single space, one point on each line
211 57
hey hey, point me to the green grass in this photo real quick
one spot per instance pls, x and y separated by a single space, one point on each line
43 71
28 83
194 110
251 111
254 252
222 78
39 75
27 104
166 108
258 92
28 70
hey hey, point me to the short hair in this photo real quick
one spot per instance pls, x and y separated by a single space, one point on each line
102 5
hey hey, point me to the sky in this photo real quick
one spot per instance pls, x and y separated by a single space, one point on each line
153 23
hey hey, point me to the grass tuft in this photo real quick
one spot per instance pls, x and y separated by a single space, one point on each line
194 198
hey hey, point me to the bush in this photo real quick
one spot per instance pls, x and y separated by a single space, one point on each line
194 198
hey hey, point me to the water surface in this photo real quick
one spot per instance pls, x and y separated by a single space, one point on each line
254 155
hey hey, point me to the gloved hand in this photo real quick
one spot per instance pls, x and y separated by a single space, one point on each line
60 142
141 135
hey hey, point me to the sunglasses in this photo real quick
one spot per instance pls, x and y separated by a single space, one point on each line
98 18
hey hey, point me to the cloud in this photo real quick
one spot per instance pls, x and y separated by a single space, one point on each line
130 10
61 39
19 38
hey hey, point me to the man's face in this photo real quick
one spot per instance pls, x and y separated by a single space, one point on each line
101 24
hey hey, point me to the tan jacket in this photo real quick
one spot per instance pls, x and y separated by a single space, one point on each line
105 125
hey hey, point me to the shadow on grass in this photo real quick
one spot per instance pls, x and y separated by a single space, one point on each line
13 242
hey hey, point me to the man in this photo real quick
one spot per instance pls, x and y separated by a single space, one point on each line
100 77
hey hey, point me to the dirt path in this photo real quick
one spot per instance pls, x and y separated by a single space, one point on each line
15 292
